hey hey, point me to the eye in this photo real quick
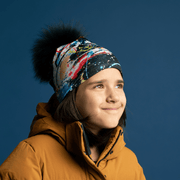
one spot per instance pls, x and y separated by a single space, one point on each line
99 86
120 86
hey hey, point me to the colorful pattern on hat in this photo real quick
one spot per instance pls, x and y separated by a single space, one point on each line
76 62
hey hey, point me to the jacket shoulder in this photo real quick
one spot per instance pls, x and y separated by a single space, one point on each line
37 156
128 152
54 160
21 163
129 157
32 156
131 165
44 144
41 141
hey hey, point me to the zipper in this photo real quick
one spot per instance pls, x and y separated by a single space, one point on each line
110 149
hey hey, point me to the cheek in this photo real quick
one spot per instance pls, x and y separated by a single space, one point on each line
123 98
83 104
125 101
88 105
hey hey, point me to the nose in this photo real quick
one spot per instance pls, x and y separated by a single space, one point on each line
112 96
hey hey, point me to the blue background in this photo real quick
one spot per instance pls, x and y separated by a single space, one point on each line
144 36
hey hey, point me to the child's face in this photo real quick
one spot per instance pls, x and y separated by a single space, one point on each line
102 98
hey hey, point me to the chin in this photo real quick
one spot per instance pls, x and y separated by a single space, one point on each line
111 124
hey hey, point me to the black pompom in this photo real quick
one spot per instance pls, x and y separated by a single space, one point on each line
45 46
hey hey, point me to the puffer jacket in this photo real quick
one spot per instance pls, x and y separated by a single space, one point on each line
55 151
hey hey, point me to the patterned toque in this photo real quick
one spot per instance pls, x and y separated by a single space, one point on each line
76 62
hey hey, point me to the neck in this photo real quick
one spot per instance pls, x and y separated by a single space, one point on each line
94 153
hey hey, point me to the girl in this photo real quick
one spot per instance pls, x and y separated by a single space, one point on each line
78 134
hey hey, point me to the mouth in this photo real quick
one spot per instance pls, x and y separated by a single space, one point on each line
110 109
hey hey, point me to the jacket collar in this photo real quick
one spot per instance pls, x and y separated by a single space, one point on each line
77 144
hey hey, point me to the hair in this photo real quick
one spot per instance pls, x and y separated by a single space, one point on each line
67 112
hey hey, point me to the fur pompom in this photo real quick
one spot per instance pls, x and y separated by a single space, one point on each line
45 46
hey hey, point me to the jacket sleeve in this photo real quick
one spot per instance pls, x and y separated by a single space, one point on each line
129 166
21 164
141 174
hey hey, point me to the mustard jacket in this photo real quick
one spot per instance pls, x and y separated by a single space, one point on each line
55 151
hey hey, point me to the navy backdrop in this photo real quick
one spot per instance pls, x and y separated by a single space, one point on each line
144 36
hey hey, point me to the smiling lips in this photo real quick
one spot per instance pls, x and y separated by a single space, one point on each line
110 108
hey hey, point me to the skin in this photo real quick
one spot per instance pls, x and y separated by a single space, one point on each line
102 98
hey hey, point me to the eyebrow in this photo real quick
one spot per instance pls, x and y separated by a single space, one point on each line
102 81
